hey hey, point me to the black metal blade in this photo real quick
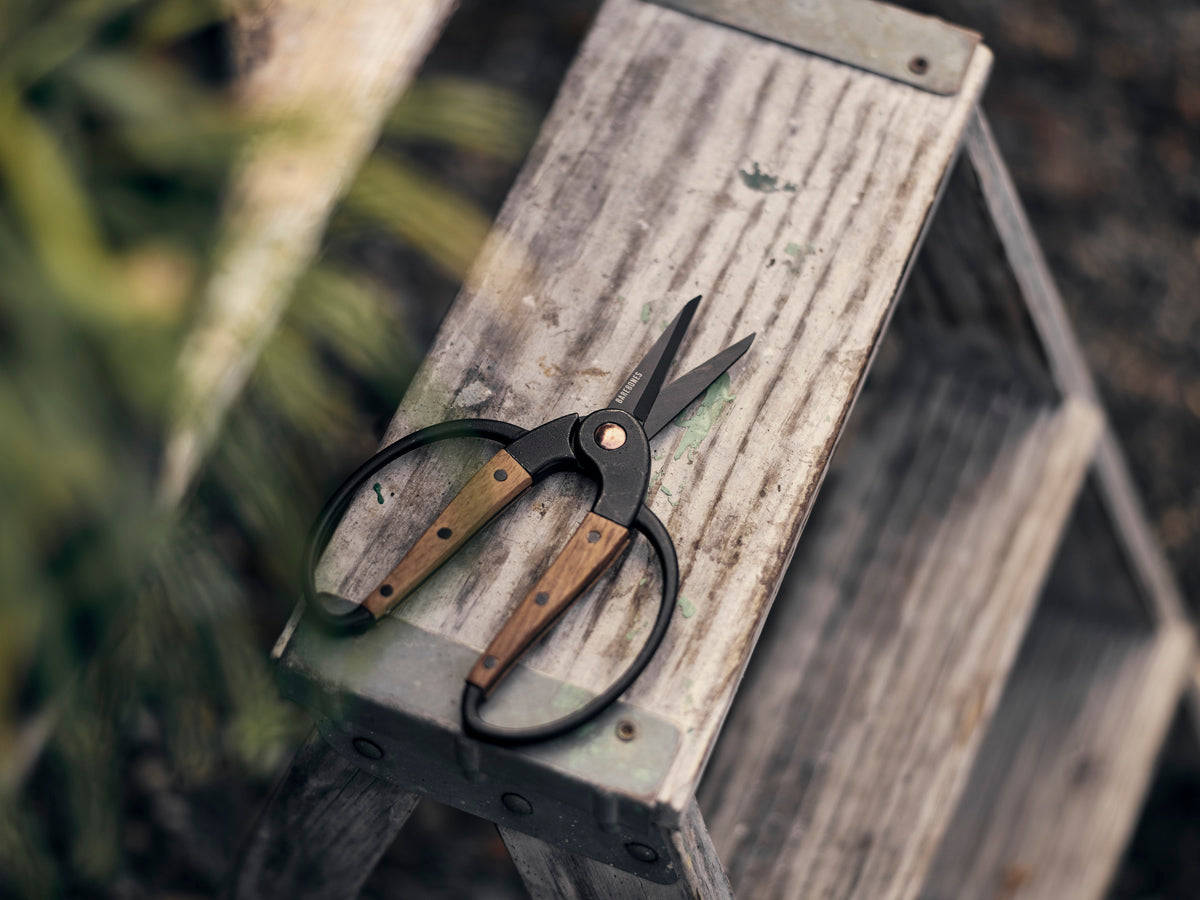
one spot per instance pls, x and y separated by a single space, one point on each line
674 398
641 388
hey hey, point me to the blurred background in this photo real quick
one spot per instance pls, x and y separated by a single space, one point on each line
140 727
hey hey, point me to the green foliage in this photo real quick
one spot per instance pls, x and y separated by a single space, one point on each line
124 622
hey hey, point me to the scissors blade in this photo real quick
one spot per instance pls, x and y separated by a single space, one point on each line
674 398
641 388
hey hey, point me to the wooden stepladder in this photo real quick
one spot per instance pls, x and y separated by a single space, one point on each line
912 721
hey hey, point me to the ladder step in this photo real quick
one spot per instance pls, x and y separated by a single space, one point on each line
1056 788
885 655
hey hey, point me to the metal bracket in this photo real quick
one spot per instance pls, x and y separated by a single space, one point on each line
388 700
919 50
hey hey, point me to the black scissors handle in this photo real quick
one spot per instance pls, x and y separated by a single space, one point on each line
589 552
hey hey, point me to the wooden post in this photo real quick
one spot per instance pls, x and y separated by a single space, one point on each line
322 833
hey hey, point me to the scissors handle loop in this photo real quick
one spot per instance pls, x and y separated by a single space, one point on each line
520 632
474 695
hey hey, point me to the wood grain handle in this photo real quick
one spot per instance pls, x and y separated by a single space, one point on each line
588 553
497 484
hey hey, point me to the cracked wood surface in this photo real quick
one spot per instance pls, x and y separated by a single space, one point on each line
680 157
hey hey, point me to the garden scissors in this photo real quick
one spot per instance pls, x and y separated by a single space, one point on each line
612 446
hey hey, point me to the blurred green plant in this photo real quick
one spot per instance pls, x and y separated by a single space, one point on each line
124 624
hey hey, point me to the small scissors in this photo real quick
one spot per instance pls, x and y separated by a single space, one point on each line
612 446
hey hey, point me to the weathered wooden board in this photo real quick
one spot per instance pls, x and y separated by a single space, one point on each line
1070 370
554 874
886 652
326 827
1056 789
681 157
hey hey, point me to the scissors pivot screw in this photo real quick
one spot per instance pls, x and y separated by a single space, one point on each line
610 436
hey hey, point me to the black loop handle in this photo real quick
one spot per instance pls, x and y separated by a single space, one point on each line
474 724
346 616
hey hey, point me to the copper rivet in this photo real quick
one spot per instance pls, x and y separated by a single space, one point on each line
610 435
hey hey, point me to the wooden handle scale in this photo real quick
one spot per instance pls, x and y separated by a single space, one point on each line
588 553
497 484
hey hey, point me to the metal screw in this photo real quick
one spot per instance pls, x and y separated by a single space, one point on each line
369 749
626 730
489 662
515 803
542 598
500 475
593 536
641 852
610 436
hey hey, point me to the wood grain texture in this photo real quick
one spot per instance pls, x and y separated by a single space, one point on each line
883 660
326 827
590 550
681 156
498 483
553 874
1057 787
317 80
1067 362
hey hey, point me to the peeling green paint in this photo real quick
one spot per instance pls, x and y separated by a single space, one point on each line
701 422
646 313
758 180
687 608
669 495
379 492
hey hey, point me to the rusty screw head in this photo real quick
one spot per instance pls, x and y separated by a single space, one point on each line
626 730
610 436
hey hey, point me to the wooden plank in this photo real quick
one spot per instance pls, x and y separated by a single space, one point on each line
554 874
680 157
1056 790
326 827
1068 365
860 715
317 79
